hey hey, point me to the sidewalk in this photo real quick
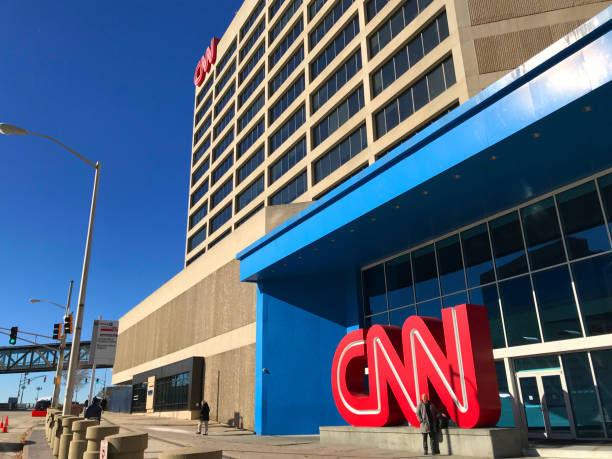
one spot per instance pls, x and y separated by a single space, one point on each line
36 446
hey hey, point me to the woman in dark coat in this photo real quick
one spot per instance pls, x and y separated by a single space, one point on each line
204 417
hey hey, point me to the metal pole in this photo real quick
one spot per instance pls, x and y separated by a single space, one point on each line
91 383
60 357
76 339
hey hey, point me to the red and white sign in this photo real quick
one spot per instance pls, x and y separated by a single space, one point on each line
208 59
450 360
104 449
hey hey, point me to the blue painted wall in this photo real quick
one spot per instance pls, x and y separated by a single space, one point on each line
300 322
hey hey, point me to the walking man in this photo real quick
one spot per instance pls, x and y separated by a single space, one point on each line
427 414
204 417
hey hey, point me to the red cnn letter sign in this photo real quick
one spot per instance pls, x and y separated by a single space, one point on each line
208 59
453 357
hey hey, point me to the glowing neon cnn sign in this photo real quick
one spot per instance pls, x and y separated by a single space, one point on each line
204 64
452 356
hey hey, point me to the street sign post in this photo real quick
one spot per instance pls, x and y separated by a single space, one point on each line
103 347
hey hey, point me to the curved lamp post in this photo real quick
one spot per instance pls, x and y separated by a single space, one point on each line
9 129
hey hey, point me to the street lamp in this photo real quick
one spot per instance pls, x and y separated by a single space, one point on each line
60 355
8 129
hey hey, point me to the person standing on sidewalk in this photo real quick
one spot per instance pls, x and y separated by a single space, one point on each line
427 414
204 417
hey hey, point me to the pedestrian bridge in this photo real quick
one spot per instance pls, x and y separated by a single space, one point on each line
40 358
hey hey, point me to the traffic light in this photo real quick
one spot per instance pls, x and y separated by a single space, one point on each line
85 380
67 324
97 380
13 337
57 331
44 379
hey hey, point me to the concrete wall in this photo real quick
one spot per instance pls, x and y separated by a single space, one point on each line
499 35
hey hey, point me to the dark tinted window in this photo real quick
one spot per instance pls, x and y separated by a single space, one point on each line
487 296
425 273
542 234
450 265
375 299
399 282
477 254
593 280
508 245
519 312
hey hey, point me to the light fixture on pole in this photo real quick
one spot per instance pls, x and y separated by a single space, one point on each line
62 347
9 129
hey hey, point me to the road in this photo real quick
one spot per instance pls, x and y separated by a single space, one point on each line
20 423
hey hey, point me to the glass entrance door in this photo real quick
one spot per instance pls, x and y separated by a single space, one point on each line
546 404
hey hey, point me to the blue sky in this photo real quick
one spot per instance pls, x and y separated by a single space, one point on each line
114 81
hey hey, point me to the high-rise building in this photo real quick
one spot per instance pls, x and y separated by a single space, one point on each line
358 162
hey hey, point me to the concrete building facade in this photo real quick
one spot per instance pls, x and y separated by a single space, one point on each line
303 96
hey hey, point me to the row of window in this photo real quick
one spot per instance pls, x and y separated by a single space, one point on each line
222 192
172 393
340 154
528 261
252 62
223 145
286 99
204 90
197 238
198 215
420 93
221 218
225 78
252 18
199 193
409 55
328 22
333 49
288 160
291 191
203 148
314 7
250 193
226 57
251 164
225 99
251 111
220 171
252 39
282 22
336 81
201 131
251 137
202 111
284 45
286 70
224 122
252 86
373 7
339 115
287 129
274 8
200 171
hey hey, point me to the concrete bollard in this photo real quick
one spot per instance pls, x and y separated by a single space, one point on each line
57 433
66 437
94 435
127 446
193 453
78 445
51 412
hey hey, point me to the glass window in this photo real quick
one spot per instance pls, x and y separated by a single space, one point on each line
593 278
399 282
420 94
583 223
455 300
540 362
603 374
582 395
405 105
506 419
487 296
430 308
450 265
430 37
519 312
477 254
375 298
558 312
415 51
425 273
542 234
508 246
291 191
435 81
172 393
449 72
380 319
605 188
399 316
